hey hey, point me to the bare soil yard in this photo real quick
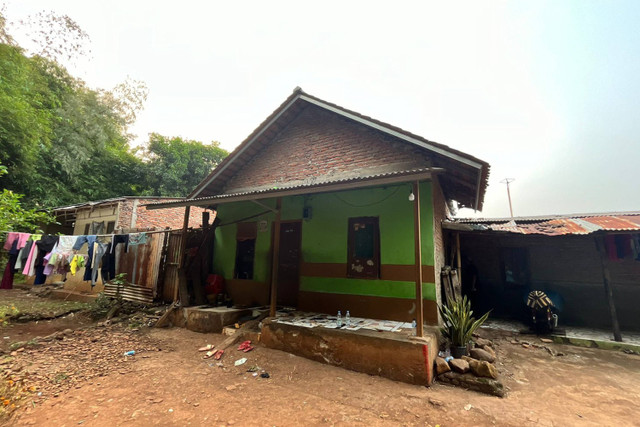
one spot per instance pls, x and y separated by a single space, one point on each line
85 380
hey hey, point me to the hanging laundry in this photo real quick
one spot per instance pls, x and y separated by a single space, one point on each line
28 263
65 244
9 271
81 240
19 238
77 261
108 270
47 262
137 239
99 250
45 245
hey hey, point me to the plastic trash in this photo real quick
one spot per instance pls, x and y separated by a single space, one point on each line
339 320
240 361
130 353
347 318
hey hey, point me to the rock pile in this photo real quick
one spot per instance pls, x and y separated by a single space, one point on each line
475 372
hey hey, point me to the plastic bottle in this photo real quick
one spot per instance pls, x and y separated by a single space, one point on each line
347 318
130 353
339 321
414 324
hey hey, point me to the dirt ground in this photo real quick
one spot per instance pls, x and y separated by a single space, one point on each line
85 380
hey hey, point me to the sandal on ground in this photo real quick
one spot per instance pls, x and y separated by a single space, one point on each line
218 354
209 354
206 347
244 345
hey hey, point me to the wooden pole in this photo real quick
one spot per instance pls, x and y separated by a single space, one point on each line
418 259
275 259
183 245
606 279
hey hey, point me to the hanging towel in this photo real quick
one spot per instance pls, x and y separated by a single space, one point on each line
19 238
137 239
28 269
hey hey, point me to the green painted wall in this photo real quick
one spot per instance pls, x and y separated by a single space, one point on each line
324 236
224 257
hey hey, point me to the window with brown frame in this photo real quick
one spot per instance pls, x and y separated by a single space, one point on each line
363 248
246 235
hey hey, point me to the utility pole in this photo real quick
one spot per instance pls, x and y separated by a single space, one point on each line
509 181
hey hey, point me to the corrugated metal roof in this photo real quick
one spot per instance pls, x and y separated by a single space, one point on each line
108 201
556 225
280 189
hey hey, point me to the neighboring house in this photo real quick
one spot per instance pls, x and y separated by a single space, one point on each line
317 211
120 214
590 263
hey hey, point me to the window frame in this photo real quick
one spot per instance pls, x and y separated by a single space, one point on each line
245 232
362 267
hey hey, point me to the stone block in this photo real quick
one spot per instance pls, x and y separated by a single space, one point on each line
481 342
442 366
459 365
480 354
471 382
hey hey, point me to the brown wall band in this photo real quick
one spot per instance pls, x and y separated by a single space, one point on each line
395 272
370 307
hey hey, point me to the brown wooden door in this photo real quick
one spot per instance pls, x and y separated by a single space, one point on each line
289 263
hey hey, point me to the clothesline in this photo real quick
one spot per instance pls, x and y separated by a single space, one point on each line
105 235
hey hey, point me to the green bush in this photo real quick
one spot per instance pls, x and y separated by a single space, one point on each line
459 324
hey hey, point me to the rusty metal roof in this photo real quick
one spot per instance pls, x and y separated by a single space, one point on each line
555 225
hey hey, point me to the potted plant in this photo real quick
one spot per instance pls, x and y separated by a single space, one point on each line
459 324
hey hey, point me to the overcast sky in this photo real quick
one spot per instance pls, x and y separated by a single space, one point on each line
546 92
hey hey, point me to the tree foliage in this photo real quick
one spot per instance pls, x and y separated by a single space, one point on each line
63 142
175 166
14 217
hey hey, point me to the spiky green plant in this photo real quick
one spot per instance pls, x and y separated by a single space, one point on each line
459 324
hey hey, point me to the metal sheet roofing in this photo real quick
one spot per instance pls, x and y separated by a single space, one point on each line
261 193
556 225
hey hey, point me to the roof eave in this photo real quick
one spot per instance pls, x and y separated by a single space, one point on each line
311 189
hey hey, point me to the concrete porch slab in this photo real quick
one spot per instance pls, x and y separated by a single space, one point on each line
387 354
208 319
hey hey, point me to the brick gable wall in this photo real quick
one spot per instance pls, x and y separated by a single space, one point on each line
158 218
320 145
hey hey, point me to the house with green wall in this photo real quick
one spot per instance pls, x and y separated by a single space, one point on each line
325 209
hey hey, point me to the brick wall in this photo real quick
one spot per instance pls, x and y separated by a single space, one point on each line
158 218
320 145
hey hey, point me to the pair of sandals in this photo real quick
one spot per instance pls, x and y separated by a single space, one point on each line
210 353
245 347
